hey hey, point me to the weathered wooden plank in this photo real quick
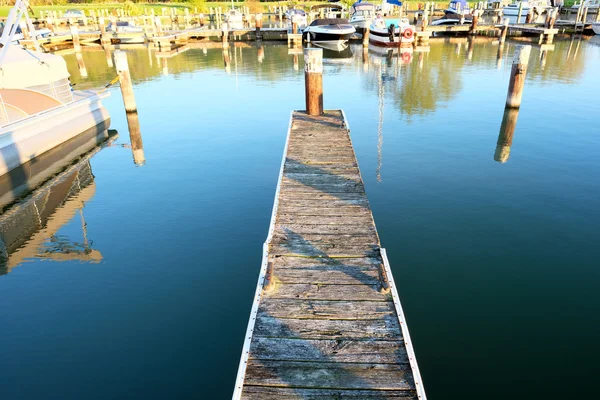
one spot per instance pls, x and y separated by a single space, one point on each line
347 229
329 375
324 219
279 393
305 291
338 276
282 237
323 250
326 309
330 169
324 210
318 195
386 328
309 178
308 201
328 350
330 263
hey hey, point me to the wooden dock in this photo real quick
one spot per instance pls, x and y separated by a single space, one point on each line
326 321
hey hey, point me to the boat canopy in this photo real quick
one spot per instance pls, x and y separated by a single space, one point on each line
463 4
332 6
21 68
362 7
296 11
329 21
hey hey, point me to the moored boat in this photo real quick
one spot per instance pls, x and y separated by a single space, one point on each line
361 15
125 32
328 30
596 28
381 34
513 9
38 109
590 4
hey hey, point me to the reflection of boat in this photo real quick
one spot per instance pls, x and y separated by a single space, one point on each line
29 228
381 34
329 30
334 46
38 109
404 53
361 15
336 54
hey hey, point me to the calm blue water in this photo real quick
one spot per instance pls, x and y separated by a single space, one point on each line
497 263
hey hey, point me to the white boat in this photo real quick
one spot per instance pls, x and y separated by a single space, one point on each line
296 16
361 15
125 32
596 28
328 30
38 109
513 9
381 34
18 36
446 21
458 7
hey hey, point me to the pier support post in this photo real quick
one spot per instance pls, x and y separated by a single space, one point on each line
225 34
365 38
474 22
504 32
517 76
505 137
258 25
313 80
520 12
126 85
75 35
135 137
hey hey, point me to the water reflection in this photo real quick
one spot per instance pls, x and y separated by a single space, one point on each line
29 230
135 136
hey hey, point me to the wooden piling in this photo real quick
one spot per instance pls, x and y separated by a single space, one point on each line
75 36
135 137
313 80
520 12
505 137
474 22
225 35
504 31
126 85
365 38
517 76
258 26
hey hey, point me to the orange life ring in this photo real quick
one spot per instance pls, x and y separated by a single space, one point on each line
406 57
408 33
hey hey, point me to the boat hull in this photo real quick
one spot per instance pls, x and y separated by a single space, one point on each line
514 11
328 35
26 139
381 37
596 28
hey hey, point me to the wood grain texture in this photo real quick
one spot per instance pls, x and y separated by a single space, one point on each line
324 329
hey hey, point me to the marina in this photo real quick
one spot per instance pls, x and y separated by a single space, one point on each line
216 205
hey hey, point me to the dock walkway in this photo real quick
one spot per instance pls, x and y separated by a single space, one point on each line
326 320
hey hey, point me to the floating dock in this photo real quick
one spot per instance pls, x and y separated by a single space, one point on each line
326 321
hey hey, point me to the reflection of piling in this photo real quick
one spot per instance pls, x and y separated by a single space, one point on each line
365 59
109 60
313 80
517 76
226 60
135 136
296 67
470 46
125 78
225 34
260 53
75 35
505 137
499 56
365 39
165 66
81 65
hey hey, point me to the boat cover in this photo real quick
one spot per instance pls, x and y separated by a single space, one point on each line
22 68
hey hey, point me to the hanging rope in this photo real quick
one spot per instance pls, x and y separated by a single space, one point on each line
109 85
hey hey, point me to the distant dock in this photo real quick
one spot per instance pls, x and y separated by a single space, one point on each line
326 320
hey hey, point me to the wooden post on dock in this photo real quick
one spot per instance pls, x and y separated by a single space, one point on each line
520 12
517 76
365 38
504 31
224 35
553 17
584 17
75 36
505 137
258 25
474 22
126 85
313 80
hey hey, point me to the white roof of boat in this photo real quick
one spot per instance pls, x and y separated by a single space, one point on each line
22 68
